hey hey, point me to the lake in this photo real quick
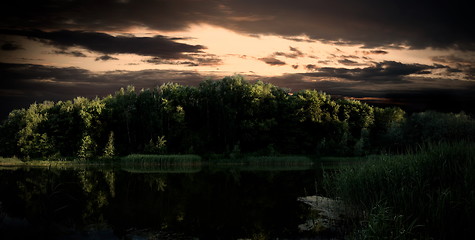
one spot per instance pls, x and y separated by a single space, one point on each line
191 202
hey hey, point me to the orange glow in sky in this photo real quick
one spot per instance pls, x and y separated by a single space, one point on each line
239 53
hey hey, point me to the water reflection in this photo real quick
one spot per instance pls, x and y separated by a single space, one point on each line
208 203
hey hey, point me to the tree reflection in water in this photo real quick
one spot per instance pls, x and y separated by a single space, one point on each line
113 204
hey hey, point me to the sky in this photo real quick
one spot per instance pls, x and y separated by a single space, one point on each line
415 54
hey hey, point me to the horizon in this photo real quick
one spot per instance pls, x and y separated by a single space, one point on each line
416 55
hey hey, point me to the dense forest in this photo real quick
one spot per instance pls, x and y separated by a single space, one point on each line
220 117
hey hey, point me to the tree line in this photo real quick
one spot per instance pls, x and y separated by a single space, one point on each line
220 117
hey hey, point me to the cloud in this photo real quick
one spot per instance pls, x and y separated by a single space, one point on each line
294 53
383 24
11 46
272 61
455 60
382 72
106 58
205 59
379 52
107 15
192 60
37 78
300 39
463 63
157 46
71 53
349 62
311 67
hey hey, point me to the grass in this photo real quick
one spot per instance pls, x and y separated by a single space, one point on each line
13 161
57 163
424 194
163 160
162 169
336 163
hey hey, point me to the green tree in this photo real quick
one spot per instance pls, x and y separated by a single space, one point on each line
158 147
33 142
109 150
87 148
386 131
9 133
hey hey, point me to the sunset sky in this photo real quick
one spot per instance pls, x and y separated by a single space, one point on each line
420 53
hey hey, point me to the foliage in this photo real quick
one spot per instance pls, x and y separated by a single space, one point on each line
230 116
158 147
87 148
109 150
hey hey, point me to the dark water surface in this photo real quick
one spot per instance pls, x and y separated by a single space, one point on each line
191 203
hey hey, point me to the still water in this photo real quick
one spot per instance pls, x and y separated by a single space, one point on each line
184 203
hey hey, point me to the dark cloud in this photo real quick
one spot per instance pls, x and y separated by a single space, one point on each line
108 14
381 52
297 39
71 53
205 59
294 53
373 24
272 61
324 62
10 46
349 62
38 79
160 61
384 24
157 46
455 60
383 72
106 58
23 84
311 67
350 56
193 60
464 64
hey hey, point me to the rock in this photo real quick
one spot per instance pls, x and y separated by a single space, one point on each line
329 214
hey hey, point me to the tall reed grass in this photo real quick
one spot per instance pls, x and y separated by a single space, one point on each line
428 193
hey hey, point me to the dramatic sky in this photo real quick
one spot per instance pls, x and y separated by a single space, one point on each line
420 53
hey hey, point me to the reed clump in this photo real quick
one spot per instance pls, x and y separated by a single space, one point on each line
429 193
